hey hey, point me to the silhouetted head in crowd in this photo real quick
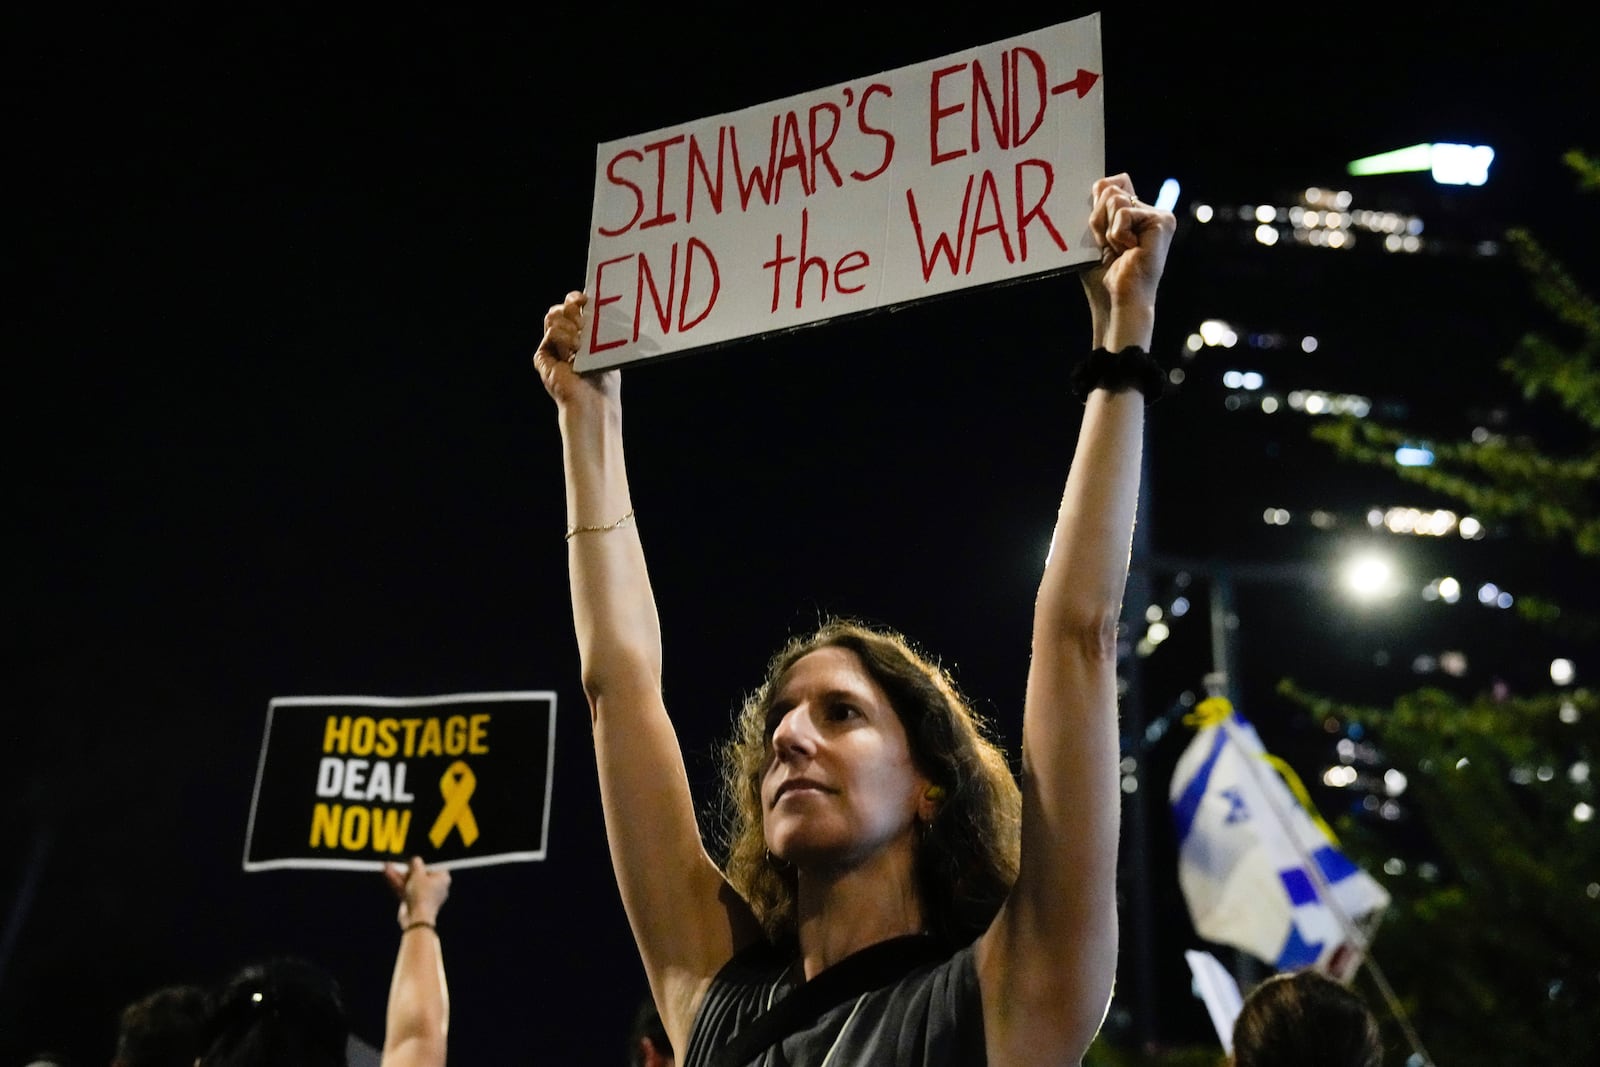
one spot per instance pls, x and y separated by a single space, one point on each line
1308 1020
164 1028
648 1045
276 1014
48 1059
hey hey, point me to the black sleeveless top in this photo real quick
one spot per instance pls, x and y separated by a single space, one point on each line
933 1017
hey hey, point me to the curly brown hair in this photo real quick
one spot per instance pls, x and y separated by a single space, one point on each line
967 857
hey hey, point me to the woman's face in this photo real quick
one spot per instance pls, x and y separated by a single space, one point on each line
840 783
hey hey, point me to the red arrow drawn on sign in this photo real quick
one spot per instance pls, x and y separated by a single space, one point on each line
1083 83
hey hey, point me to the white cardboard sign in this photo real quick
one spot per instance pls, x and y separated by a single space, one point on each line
1219 991
962 171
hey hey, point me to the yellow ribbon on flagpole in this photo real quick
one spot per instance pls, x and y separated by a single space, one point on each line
1298 788
1214 711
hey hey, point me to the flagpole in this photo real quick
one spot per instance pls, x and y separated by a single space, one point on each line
1136 819
1221 683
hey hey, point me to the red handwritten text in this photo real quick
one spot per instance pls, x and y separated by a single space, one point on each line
805 148
988 216
643 279
847 264
1005 115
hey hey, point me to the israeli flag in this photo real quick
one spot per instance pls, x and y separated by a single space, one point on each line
1259 868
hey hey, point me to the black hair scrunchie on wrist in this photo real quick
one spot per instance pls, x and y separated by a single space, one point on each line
1131 368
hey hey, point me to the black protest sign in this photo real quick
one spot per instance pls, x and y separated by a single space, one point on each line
353 782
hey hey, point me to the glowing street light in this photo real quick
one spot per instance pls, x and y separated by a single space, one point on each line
1369 577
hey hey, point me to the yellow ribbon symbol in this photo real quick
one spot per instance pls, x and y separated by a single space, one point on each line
1212 711
456 787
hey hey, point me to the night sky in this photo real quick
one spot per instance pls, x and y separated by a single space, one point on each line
274 279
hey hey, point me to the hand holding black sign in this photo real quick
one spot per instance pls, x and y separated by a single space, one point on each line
355 782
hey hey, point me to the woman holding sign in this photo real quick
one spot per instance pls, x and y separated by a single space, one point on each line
891 896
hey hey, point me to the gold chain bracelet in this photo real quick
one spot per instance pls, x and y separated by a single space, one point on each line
574 530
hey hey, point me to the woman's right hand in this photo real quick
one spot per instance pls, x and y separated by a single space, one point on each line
563 336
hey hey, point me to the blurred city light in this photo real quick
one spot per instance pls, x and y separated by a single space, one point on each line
1413 521
1215 332
1339 777
1316 402
1562 671
1450 164
1413 456
1461 164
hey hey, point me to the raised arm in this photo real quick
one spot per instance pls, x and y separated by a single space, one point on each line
1046 966
686 920
418 1018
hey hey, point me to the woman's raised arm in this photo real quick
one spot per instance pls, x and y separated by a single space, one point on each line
686 919
1047 964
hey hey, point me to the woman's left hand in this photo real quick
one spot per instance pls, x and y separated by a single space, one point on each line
1133 238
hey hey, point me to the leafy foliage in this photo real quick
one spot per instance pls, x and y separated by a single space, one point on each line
1493 939
1104 1054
